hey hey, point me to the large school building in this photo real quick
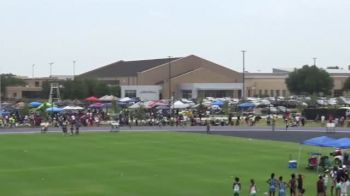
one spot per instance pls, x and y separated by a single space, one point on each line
185 77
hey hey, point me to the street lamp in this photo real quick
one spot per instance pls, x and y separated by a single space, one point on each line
243 75
51 68
33 70
74 69
314 60
169 84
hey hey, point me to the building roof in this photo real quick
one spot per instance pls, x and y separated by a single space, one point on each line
126 68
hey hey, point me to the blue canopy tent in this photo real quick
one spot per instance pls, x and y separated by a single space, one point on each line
34 104
343 143
246 106
54 109
218 103
322 141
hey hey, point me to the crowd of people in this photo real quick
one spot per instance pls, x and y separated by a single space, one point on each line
335 182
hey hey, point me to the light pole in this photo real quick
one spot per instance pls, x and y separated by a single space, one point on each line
0 94
74 69
169 81
243 75
51 68
33 70
314 60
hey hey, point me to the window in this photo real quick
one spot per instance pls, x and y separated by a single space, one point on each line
260 93
187 94
277 93
284 93
266 93
14 95
130 93
37 84
272 93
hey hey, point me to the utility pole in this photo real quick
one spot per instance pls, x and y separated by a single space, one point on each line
314 60
0 94
243 75
51 69
33 70
74 69
169 81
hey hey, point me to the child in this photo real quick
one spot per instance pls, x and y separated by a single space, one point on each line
292 185
344 187
236 187
252 188
272 185
281 187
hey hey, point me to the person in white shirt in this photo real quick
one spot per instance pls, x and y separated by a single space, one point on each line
344 188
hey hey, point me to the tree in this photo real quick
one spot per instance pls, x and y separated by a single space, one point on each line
346 86
10 80
309 80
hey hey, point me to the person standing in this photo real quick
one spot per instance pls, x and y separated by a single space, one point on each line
272 185
281 187
321 191
236 186
301 189
252 188
292 185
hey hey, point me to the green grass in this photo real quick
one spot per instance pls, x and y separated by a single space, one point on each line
143 163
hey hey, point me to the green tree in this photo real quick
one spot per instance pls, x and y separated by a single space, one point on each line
309 80
346 86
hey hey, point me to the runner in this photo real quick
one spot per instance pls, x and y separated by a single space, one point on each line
281 187
252 188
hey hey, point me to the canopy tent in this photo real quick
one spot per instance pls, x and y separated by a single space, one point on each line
247 105
108 98
138 105
97 105
343 143
34 104
325 141
54 109
125 99
217 103
180 105
322 141
73 108
92 99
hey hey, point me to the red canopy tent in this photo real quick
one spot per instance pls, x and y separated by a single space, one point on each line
92 99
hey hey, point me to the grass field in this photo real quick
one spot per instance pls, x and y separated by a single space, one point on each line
151 163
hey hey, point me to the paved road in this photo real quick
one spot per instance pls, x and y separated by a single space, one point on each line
295 134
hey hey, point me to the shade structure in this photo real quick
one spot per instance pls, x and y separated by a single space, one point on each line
73 108
108 98
343 143
34 104
54 109
180 105
97 105
125 99
218 103
247 105
92 99
322 141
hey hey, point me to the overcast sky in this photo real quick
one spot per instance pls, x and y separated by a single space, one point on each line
275 33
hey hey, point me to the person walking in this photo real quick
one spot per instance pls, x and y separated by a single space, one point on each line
272 185
236 186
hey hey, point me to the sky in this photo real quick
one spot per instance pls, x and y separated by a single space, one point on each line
275 33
